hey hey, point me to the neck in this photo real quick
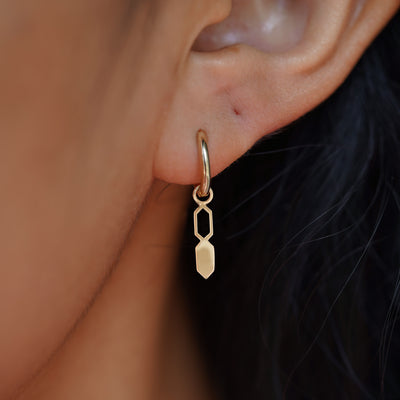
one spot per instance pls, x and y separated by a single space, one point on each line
135 341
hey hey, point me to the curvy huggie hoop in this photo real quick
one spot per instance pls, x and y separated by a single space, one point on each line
205 162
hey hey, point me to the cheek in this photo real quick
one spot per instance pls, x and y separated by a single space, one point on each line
72 178
81 108
56 243
64 216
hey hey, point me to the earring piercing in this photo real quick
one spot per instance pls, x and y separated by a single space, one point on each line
202 195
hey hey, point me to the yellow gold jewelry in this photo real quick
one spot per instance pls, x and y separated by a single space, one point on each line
202 195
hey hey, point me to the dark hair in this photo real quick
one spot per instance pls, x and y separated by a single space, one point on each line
305 299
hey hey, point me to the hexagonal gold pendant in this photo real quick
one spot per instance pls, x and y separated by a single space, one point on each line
205 252
205 258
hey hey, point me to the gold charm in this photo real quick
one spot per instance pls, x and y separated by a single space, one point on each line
202 195
205 253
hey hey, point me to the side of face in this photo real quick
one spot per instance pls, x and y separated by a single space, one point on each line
99 98
84 87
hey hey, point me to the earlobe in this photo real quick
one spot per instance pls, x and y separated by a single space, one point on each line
240 92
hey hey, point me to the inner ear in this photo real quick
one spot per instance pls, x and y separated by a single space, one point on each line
268 25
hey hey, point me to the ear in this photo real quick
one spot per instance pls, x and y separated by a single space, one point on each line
267 64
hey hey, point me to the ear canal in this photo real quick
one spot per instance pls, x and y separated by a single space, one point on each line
269 25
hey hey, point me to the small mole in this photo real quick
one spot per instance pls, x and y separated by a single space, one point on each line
236 111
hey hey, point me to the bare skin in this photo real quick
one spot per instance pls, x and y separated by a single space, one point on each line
137 330
100 102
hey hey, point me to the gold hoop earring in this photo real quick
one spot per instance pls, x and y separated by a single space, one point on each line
202 195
